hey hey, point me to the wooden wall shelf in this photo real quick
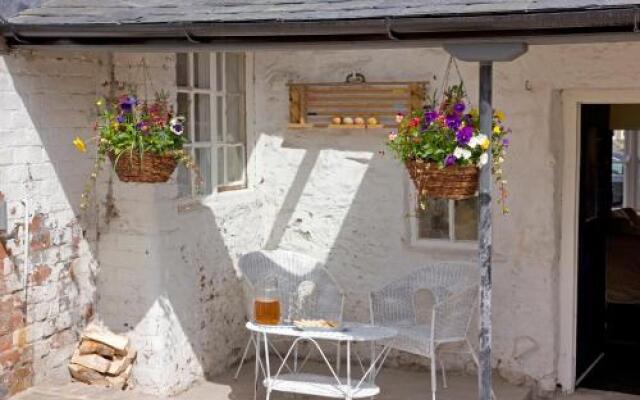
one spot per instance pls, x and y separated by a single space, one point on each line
315 105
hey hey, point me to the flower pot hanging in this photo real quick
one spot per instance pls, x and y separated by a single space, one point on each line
443 148
143 138
455 182
147 168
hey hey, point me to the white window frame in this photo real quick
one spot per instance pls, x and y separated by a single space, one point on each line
451 243
191 90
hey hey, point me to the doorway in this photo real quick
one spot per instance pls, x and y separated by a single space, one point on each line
608 253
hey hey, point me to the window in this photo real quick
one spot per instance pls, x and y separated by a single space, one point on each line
211 95
449 220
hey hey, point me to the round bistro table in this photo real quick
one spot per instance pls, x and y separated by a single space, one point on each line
330 384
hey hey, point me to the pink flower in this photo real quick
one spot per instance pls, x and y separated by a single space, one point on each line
399 117
393 136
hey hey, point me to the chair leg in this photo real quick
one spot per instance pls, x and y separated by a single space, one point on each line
434 380
444 374
475 360
244 357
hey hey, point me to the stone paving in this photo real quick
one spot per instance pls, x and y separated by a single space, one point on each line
396 385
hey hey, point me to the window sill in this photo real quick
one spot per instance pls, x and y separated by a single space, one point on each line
466 246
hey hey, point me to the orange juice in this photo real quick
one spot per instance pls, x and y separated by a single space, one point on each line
266 311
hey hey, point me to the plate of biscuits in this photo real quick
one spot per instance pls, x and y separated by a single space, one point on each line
317 325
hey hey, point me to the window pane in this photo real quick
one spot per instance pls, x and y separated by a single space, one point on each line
184 181
219 72
183 110
433 222
182 77
202 118
203 161
235 163
219 119
466 219
201 74
221 180
234 72
235 119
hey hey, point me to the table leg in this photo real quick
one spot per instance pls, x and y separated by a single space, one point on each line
295 359
256 343
338 358
349 394
267 365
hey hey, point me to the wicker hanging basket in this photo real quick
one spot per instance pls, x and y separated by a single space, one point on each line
150 168
454 182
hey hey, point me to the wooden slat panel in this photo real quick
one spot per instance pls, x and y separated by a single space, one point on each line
317 104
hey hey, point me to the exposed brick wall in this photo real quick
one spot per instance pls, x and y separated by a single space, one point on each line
45 99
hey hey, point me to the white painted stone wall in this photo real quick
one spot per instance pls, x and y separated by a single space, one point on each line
45 100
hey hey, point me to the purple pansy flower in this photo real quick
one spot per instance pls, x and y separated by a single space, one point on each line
430 116
505 142
120 118
143 126
464 135
459 108
450 160
453 122
127 103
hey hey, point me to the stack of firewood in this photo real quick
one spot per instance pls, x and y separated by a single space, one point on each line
103 358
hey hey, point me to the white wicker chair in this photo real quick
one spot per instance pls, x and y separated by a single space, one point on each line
454 288
290 269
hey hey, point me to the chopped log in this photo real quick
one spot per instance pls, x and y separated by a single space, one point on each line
86 375
88 346
120 364
120 381
92 361
118 342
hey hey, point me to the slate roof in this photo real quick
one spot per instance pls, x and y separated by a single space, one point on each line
70 12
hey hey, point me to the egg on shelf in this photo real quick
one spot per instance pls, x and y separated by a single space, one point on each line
359 121
336 120
347 121
372 121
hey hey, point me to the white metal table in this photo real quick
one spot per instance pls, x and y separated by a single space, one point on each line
330 385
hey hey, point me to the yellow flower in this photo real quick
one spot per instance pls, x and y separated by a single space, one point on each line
100 102
496 129
499 115
80 145
474 112
115 125
484 143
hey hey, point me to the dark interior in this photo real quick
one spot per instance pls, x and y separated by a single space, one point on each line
608 353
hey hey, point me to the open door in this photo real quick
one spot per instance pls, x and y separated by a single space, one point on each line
595 207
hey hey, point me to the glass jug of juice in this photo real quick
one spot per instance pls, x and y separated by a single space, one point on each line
266 305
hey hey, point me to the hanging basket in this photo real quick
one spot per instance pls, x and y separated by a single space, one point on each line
454 182
150 168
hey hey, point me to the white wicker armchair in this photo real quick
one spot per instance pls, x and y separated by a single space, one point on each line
290 269
454 290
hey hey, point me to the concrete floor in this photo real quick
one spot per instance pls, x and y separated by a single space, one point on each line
396 385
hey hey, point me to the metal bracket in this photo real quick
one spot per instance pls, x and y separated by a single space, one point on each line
486 52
